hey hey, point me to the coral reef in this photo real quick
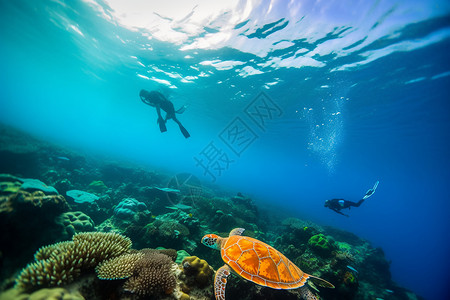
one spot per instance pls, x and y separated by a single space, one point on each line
9 184
81 196
181 255
160 211
74 222
119 267
321 244
27 219
97 187
42 294
128 207
197 271
63 262
33 185
169 233
148 272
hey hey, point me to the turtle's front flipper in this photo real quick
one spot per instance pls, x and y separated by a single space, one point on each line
220 282
237 231
320 282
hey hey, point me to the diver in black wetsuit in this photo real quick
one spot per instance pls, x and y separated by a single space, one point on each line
338 204
157 100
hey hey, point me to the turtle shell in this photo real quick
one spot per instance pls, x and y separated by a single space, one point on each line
261 263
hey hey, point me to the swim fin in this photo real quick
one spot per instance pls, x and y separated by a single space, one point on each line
162 125
371 191
184 131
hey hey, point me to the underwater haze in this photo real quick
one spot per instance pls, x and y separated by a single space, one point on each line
290 102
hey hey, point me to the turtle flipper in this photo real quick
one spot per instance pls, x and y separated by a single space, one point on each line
237 231
320 282
220 282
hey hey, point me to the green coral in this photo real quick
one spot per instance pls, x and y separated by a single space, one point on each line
181 255
9 187
97 187
321 244
343 246
42 294
74 222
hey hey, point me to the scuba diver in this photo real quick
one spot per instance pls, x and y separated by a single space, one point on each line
338 204
157 100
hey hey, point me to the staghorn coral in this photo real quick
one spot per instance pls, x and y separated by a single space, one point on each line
148 272
63 262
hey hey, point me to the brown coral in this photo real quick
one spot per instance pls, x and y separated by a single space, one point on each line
172 253
52 250
119 267
148 271
37 199
63 262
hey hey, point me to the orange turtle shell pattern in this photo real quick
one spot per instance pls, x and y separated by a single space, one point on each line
261 263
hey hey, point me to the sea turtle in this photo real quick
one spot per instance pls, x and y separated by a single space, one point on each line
257 262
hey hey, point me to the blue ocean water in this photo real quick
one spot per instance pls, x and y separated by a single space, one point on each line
291 103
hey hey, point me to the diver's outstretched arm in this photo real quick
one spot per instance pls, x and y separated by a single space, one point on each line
181 109
339 212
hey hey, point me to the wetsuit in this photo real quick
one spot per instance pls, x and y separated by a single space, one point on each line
157 100
338 204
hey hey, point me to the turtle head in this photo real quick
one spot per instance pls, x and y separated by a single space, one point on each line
211 241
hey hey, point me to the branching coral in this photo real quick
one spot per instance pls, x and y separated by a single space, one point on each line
63 262
53 250
148 272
